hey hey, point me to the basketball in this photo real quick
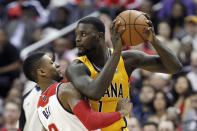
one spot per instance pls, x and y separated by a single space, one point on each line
135 23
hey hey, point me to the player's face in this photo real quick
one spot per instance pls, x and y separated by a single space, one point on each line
86 38
51 68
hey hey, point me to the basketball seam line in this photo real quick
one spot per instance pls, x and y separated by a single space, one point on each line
134 24
136 29
124 21
130 28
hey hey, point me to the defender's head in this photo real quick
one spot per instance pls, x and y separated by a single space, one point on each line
41 66
89 32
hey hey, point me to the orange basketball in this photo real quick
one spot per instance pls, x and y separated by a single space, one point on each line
135 24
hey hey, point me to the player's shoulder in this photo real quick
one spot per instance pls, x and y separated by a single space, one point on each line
77 64
51 90
68 86
67 89
77 67
48 93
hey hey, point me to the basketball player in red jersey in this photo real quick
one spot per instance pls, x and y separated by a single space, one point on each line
102 74
59 101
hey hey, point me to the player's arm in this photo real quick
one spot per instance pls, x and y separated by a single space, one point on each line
165 61
94 89
79 74
71 99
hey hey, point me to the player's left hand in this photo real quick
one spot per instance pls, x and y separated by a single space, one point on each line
150 29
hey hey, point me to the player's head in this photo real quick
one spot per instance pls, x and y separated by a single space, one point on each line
41 66
47 52
89 32
96 22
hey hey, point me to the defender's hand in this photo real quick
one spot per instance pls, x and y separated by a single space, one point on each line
116 33
124 107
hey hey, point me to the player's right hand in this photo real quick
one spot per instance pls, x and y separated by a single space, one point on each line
124 106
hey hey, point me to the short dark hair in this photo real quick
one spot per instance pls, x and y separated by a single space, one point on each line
97 23
31 64
47 51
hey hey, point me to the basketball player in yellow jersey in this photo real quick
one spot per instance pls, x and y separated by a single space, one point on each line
102 74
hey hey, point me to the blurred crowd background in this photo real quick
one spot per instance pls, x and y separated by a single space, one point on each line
161 102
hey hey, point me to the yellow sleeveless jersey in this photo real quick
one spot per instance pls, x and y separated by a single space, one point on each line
119 88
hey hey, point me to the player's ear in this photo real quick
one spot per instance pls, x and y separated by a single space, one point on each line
41 72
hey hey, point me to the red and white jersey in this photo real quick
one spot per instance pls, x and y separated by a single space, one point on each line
53 115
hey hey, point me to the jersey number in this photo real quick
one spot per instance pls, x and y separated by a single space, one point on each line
100 106
52 127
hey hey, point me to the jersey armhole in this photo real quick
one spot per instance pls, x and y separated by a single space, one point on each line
57 90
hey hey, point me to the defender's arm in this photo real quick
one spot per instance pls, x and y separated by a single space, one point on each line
71 99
